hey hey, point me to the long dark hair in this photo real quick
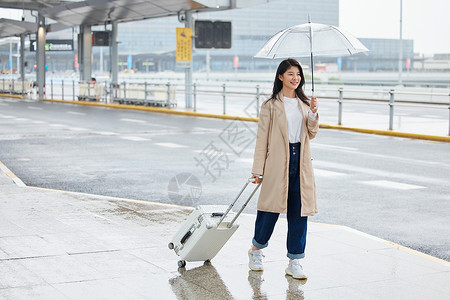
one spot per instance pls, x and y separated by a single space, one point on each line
278 85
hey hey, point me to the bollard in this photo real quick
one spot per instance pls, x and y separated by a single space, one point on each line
224 95
168 95
257 100
340 101
51 88
145 92
62 89
3 84
73 90
12 90
195 97
391 110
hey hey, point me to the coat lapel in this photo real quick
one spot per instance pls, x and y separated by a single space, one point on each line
281 116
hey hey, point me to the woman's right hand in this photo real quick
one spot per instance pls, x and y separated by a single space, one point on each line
256 179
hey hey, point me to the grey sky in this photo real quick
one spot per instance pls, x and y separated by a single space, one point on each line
426 22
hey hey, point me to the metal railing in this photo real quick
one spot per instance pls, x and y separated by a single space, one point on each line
160 94
15 86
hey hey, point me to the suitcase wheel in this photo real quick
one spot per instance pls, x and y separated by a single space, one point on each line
181 263
171 246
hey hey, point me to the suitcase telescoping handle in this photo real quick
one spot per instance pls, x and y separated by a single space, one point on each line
235 200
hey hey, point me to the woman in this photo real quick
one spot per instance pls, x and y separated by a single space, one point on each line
287 122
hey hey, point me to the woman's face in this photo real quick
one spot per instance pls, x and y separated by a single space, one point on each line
291 78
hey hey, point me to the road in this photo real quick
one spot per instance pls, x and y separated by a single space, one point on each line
396 189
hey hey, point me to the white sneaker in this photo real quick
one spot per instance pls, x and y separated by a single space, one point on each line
295 270
255 260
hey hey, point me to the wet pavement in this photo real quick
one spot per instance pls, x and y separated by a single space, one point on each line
66 245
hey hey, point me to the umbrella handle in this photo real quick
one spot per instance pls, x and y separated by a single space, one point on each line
312 74
312 59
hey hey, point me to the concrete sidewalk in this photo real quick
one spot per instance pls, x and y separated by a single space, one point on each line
64 245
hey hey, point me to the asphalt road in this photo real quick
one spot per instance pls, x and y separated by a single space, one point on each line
396 189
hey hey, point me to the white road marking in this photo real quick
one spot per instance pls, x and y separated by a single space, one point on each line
57 125
21 119
76 113
39 122
393 185
326 173
162 126
8 117
105 133
133 121
355 170
35 107
213 151
170 145
133 138
78 129
333 147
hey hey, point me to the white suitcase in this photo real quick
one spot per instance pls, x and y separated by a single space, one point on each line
206 230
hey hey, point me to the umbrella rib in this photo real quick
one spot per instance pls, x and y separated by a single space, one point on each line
276 42
345 39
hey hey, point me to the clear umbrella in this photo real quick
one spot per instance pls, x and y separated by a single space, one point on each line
309 40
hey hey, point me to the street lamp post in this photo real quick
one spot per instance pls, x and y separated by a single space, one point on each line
400 46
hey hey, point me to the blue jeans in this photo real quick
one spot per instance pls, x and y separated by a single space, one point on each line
297 225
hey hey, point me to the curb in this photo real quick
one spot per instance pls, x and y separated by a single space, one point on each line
154 109
227 117
437 138
11 175
12 96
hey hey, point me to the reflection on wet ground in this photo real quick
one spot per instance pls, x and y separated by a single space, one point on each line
203 282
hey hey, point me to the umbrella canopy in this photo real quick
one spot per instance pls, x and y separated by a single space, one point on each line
296 41
309 40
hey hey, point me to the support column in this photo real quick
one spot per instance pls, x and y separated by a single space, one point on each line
40 56
85 54
188 71
22 60
114 55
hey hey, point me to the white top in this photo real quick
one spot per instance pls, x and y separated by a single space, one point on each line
294 119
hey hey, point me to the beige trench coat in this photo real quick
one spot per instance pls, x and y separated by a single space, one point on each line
271 158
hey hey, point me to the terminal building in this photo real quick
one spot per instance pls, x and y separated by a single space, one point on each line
149 45
383 56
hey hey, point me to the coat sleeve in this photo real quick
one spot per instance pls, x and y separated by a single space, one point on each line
313 126
262 138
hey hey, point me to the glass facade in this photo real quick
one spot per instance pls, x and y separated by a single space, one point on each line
383 55
152 42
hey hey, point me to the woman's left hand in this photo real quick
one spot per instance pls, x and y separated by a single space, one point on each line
313 104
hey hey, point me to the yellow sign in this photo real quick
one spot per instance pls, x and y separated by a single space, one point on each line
184 45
